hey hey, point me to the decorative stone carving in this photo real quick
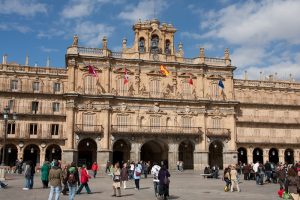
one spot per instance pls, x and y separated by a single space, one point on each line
75 41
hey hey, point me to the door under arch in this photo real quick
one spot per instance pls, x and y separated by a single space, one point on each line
186 154
242 155
273 156
32 152
121 152
216 154
87 152
53 152
155 151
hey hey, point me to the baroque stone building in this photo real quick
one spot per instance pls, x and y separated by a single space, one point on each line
87 114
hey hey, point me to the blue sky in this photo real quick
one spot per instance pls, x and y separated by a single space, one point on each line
263 36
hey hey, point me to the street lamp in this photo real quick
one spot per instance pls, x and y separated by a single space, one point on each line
5 118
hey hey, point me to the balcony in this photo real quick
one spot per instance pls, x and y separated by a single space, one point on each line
89 129
155 130
218 133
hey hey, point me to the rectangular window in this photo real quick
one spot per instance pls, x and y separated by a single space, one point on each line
88 122
54 129
216 123
10 104
34 107
33 129
186 90
14 85
56 87
89 85
11 129
36 86
122 89
186 122
154 123
155 88
55 107
215 90
122 122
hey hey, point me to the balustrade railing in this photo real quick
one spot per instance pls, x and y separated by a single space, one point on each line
218 132
87 128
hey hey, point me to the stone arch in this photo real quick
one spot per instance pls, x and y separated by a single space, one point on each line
289 156
10 156
186 154
53 151
154 150
142 45
87 152
258 155
273 155
32 152
121 151
168 47
242 155
215 155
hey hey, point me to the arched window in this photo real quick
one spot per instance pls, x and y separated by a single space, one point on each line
154 43
142 45
167 47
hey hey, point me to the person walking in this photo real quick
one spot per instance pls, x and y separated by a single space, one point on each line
84 179
55 180
163 177
32 172
124 175
45 174
154 171
137 175
95 169
234 179
227 179
27 174
65 178
72 180
116 174
292 183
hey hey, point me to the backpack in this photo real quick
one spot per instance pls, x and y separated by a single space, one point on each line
71 178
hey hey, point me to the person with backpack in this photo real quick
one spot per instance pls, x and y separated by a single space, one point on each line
84 179
72 180
164 182
154 171
27 174
116 180
55 180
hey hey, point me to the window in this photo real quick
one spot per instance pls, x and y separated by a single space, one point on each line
88 122
33 129
36 86
186 90
155 123
55 107
154 44
215 90
122 122
34 107
122 89
89 85
167 48
11 129
54 129
186 122
155 87
10 104
216 123
56 87
14 85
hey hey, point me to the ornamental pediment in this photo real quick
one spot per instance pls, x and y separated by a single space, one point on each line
186 75
155 73
121 70
86 69
215 76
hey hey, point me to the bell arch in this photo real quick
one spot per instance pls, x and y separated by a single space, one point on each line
154 151
186 154
87 152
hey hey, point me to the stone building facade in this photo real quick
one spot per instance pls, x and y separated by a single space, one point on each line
123 107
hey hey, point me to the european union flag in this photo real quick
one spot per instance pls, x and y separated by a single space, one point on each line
221 85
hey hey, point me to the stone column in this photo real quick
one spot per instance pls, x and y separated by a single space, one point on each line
173 155
266 155
71 74
200 160
42 156
281 155
296 155
135 153
229 157
250 155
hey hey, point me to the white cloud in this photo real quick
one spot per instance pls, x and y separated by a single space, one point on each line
143 10
52 32
48 50
91 34
15 27
22 7
244 56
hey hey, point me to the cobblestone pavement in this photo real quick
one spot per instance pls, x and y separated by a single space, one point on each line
188 185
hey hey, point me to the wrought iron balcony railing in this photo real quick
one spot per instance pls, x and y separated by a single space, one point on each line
218 132
136 129
88 129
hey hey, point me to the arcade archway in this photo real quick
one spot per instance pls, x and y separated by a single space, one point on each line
289 156
87 152
186 154
242 155
53 152
154 151
273 156
32 152
11 155
121 151
258 155
215 157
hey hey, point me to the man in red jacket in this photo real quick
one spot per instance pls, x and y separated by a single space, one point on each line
84 179
95 168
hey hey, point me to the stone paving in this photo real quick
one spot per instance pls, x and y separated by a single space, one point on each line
187 185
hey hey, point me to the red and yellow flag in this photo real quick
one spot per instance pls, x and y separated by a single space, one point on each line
164 70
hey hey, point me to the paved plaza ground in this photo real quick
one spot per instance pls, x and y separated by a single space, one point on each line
187 185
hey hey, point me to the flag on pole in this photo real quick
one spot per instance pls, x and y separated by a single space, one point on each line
126 77
164 70
191 80
221 85
92 71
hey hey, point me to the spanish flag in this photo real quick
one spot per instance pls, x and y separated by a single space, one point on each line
164 70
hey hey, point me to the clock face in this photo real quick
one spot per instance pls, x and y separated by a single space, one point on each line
155 57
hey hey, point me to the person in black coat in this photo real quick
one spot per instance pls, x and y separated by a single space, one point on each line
163 177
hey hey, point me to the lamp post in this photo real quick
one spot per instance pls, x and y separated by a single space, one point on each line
5 118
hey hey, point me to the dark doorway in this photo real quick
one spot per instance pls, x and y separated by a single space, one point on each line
289 156
216 154
53 152
32 152
11 155
258 155
186 154
87 152
273 156
155 151
242 155
121 152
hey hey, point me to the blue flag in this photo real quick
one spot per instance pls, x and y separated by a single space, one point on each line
221 84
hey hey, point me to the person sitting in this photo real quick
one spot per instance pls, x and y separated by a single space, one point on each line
2 185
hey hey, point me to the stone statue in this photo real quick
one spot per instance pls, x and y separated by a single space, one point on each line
75 41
